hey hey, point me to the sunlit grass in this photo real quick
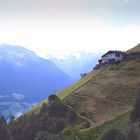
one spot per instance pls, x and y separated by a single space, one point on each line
65 92
135 49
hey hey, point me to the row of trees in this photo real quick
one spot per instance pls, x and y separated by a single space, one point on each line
5 133
53 118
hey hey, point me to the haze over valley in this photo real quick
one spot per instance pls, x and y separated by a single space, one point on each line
69 70
26 79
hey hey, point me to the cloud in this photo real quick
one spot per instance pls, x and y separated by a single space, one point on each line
18 96
72 38
47 7
70 25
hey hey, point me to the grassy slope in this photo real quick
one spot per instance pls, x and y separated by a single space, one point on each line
121 123
135 49
109 94
102 95
131 69
79 84
65 92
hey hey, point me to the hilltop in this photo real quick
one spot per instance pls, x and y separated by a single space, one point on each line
135 49
101 99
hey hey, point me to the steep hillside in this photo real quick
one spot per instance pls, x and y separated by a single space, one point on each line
102 99
107 95
96 133
135 49
106 100
103 93
68 90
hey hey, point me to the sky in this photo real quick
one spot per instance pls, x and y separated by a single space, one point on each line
52 27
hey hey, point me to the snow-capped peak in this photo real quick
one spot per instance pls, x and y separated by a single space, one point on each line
16 54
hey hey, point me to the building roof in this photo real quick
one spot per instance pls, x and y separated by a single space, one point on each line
110 52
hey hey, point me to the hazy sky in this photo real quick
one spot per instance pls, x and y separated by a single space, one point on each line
64 26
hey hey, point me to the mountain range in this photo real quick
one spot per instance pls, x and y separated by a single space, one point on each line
76 64
26 78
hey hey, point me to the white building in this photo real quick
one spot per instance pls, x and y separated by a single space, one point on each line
112 56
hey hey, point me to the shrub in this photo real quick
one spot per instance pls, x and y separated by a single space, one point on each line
69 131
83 75
55 125
53 98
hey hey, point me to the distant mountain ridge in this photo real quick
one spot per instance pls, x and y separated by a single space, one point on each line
16 53
28 77
76 63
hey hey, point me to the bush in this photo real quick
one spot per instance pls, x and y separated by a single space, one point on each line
69 131
86 124
83 75
79 127
55 125
53 98
57 109
44 108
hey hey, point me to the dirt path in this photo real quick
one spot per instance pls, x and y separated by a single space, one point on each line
95 125
88 80
83 117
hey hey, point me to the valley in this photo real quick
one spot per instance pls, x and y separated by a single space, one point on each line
91 107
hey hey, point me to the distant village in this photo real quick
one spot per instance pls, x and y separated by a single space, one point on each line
112 57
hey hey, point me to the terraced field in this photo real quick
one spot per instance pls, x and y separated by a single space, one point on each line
107 95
